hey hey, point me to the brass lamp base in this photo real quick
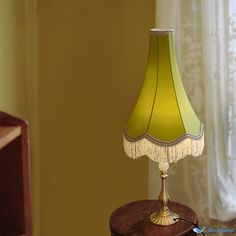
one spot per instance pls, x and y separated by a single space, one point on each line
164 217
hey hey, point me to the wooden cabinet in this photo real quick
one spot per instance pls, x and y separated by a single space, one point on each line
15 199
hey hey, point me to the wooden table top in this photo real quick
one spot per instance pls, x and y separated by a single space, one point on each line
132 219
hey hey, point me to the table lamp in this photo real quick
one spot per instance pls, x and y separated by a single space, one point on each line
163 125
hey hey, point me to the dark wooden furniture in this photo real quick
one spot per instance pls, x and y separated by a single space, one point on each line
132 220
15 201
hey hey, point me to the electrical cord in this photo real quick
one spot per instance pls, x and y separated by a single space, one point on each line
197 229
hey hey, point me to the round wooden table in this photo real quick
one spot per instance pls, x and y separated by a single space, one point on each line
132 219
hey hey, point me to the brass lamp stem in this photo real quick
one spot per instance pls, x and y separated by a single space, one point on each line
164 196
164 216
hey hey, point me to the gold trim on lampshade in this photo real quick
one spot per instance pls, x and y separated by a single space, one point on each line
163 125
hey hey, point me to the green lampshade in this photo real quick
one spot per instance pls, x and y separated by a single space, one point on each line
163 125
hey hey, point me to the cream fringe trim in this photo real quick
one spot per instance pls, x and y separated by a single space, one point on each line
159 153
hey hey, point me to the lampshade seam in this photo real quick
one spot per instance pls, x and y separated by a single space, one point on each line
176 98
153 104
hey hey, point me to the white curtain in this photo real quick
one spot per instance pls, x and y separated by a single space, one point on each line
206 49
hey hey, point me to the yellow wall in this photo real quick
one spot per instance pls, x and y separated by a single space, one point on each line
74 69
18 76
92 56
13 63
